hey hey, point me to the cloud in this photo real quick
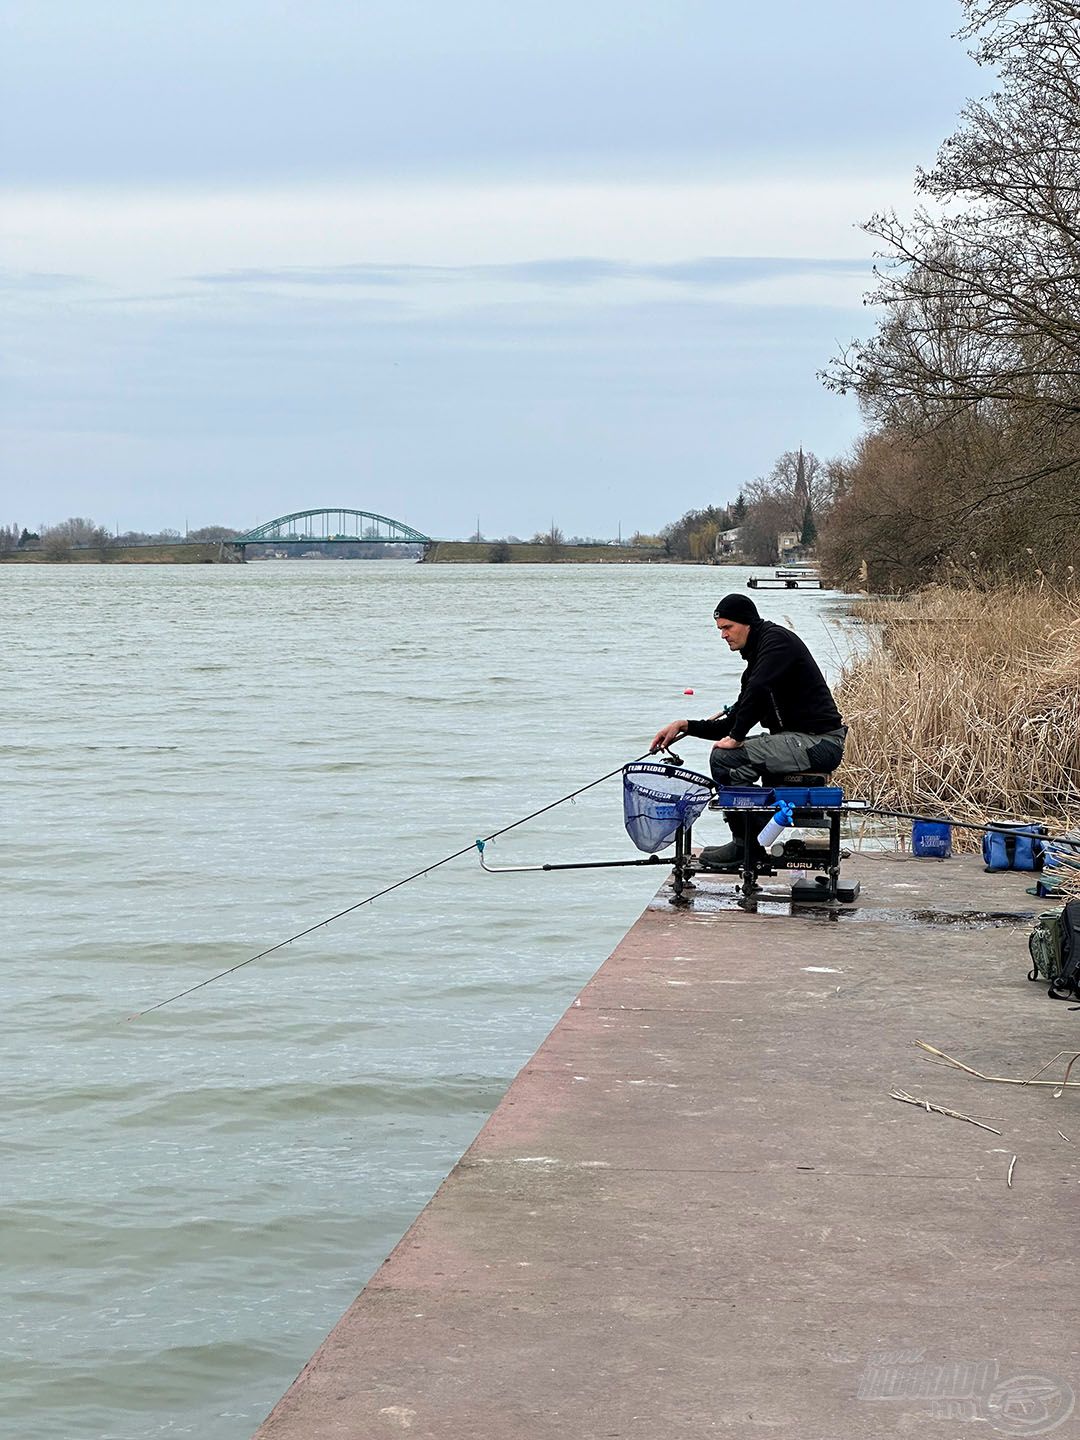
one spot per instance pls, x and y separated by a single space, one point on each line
583 340
570 271
34 282
570 283
539 233
322 275
735 269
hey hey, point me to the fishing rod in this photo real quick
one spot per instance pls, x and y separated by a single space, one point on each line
367 900
857 807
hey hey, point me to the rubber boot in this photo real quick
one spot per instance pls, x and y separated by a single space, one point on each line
721 857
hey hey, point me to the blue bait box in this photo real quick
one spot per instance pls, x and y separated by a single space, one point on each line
828 797
811 797
744 797
793 794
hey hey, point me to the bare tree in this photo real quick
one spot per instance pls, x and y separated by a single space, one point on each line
768 512
76 531
981 290
55 546
552 538
798 485
797 474
906 514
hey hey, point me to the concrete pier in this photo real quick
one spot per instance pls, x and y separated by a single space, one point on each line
698 1211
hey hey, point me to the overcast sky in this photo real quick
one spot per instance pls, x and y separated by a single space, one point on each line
441 259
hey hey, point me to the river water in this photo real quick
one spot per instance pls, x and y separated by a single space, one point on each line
200 761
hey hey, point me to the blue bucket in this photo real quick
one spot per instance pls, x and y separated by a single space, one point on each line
931 839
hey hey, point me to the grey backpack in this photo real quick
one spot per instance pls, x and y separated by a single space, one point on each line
1054 946
1044 946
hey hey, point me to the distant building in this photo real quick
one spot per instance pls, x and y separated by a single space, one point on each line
727 541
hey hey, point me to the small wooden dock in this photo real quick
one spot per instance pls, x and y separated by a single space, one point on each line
702 1210
791 577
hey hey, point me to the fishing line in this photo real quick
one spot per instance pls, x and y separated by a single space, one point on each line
465 850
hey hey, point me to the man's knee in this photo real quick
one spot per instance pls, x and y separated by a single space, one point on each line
733 766
722 762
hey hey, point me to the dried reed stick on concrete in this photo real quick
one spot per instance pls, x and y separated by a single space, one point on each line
997 1079
939 1110
1068 1072
1074 1056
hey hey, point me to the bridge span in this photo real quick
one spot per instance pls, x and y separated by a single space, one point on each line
338 526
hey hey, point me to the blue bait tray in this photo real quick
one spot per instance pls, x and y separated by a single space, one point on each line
745 797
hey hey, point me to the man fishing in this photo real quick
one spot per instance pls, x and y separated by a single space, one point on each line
783 690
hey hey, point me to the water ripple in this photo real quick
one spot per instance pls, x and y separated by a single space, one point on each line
202 761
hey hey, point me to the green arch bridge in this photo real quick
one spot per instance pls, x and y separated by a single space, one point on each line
331 527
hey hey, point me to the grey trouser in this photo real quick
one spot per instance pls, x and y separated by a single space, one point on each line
783 754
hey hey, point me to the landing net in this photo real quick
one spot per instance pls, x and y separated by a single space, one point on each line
657 799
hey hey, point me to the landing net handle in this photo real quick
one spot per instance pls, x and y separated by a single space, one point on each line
681 873
682 870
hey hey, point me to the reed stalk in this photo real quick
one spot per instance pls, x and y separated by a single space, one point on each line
966 704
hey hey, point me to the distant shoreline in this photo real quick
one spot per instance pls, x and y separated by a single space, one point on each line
208 553
483 552
439 552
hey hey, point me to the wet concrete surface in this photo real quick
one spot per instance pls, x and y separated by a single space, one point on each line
699 1210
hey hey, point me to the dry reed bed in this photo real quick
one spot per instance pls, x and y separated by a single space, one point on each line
966 704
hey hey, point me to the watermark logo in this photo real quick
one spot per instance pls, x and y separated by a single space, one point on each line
1014 1402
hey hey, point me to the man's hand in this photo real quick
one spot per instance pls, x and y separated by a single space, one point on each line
727 744
665 738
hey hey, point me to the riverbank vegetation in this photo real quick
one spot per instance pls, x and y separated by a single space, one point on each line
83 540
970 383
963 495
788 503
177 552
538 552
966 702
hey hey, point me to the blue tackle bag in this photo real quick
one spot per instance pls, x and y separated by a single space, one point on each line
658 799
1014 847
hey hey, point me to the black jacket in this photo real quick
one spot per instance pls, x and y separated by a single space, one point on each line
782 689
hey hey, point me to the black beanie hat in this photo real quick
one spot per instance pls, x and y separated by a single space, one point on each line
739 608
